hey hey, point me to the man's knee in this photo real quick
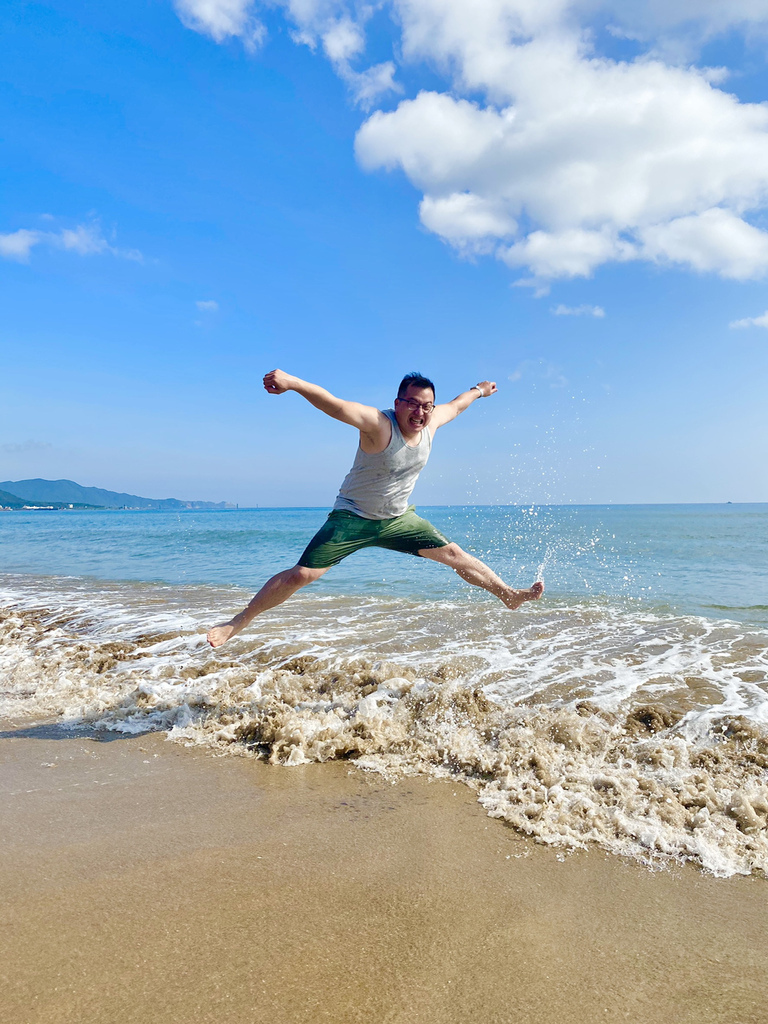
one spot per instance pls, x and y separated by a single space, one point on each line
450 554
454 552
301 575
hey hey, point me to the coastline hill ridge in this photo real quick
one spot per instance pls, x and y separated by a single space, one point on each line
11 500
46 492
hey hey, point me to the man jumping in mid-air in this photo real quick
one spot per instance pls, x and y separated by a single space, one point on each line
372 508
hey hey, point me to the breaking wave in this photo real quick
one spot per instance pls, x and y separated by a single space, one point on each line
643 732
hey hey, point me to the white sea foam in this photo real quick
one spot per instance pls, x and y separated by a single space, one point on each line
576 723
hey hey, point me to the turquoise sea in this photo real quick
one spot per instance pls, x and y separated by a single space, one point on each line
628 708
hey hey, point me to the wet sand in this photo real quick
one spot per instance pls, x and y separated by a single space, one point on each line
146 882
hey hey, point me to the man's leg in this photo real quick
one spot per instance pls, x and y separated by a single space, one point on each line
273 593
478 574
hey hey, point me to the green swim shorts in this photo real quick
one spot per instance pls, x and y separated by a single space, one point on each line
344 533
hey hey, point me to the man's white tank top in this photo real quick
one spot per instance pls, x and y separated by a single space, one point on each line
379 486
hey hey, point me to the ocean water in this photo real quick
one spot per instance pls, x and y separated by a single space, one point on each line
628 708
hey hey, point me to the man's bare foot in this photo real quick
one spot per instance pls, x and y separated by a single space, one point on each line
220 634
517 597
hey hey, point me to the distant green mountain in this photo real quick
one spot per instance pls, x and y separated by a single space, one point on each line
14 501
10 500
66 492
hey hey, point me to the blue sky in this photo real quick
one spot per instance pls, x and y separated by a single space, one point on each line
568 198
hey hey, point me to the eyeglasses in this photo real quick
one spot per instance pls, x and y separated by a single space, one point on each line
426 407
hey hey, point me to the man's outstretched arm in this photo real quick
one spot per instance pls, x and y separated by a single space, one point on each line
364 417
450 410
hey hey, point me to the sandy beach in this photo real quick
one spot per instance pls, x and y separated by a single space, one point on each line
143 881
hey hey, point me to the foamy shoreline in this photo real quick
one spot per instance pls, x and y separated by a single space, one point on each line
577 724
144 881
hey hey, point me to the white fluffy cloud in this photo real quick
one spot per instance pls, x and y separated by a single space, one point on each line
18 244
370 85
600 160
222 19
207 305
715 239
679 27
337 28
85 240
340 29
585 310
751 321
544 152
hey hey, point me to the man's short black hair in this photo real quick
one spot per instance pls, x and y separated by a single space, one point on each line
418 380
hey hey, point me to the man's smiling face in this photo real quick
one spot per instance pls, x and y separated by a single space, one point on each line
414 410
